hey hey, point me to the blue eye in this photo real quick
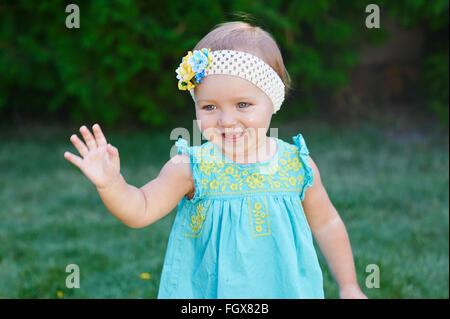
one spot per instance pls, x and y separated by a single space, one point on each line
212 107
243 103
206 107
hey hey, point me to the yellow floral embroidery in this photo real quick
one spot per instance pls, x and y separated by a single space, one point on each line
229 170
292 181
259 218
300 179
270 169
294 164
197 220
214 184
230 178
255 180
206 167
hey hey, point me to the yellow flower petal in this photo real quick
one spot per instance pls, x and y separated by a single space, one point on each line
190 85
181 87
145 275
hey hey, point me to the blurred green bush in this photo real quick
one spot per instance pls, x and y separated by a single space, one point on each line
433 15
121 63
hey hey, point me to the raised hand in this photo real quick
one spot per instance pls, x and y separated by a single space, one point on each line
100 161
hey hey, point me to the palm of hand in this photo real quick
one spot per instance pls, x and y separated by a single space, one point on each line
100 161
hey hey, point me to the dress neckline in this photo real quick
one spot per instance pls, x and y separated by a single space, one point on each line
227 160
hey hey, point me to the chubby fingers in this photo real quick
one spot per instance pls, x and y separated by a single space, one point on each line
99 137
75 160
79 145
88 137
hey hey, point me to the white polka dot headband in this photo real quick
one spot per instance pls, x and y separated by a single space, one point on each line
195 66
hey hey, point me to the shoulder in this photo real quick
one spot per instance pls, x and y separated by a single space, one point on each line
179 164
317 185
179 167
313 166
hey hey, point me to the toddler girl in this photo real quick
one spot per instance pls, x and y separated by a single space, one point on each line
248 204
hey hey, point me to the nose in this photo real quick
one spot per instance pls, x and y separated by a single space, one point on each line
227 119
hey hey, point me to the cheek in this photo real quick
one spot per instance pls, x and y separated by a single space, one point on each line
204 122
207 126
258 123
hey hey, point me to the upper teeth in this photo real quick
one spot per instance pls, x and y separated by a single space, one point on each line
233 135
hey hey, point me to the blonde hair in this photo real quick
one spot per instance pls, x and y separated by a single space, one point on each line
241 36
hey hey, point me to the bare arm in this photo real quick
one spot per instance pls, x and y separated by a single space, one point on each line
126 202
135 207
331 236
172 184
140 207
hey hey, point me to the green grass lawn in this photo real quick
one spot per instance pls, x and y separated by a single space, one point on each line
390 189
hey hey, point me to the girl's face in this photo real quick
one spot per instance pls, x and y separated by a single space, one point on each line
234 114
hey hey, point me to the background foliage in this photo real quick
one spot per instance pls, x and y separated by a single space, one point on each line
119 69
434 80
120 63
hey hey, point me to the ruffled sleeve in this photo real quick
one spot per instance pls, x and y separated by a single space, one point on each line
182 145
303 155
183 148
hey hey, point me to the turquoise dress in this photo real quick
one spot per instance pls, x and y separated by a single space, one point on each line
244 233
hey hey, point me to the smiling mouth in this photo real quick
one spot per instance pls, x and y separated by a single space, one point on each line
232 137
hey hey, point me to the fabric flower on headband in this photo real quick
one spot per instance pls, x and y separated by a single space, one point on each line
192 68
